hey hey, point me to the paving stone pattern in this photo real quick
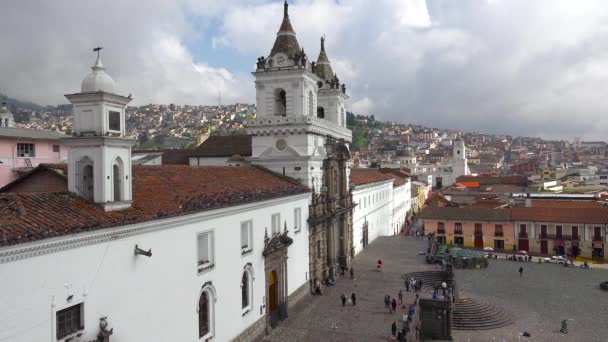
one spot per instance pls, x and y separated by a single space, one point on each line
538 301
322 318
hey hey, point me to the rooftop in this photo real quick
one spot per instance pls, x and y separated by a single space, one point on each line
158 192
224 146
12 132
367 176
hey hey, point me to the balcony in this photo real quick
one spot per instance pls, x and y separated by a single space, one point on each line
441 231
478 233
522 235
458 232
543 236
597 238
498 234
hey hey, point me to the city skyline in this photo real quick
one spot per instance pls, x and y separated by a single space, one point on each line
440 65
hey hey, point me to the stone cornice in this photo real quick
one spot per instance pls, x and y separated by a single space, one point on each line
78 98
98 140
281 125
53 245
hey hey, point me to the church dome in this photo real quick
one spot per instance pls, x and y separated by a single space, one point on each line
97 80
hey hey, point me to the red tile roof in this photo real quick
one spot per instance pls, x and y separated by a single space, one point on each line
560 215
224 146
366 176
489 180
158 191
565 204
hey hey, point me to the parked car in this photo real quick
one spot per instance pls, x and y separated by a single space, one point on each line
556 259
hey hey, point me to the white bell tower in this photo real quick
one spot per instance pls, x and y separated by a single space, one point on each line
99 161
290 131
460 166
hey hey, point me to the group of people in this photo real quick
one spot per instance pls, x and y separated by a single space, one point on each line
414 284
352 300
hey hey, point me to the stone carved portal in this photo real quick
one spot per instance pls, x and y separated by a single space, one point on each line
275 264
330 220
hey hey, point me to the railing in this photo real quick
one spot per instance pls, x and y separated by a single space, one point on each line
522 235
498 234
441 231
597 238
559 237
478 233
458 232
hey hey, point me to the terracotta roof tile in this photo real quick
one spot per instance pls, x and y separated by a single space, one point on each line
366 176
158 191
465 213
224 146
572 215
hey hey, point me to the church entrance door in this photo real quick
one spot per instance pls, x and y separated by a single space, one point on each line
273 306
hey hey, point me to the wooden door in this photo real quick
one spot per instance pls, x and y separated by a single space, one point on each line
544 249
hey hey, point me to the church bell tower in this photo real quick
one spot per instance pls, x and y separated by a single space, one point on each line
99 161
293 123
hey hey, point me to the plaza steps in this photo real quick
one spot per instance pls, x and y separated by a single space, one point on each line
474 314
429 278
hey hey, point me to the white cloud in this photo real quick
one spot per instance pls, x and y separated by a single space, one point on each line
518 66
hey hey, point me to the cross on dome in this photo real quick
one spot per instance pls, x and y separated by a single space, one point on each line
98 80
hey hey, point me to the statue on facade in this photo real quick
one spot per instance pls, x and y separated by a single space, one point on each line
313 67
303 58
261 62
344 88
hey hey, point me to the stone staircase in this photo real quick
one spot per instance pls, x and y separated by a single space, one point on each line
474 314
429 278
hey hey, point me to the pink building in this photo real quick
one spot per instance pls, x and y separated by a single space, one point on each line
23 149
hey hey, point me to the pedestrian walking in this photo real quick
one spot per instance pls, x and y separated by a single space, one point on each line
400 297
414 284
343 298
387 302
564 329
420 285
353 298
407 285
394 305
352 273
394 328
521 271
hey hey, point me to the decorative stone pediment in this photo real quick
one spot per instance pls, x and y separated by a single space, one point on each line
272 152
277 243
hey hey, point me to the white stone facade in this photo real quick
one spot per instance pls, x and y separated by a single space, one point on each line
373 215
148 298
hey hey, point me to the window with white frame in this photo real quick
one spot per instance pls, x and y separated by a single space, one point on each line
206 313
26 150
276 224
297 219
205 251
69 320
246 237
247 290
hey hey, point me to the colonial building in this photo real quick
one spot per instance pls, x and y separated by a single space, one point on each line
444 173
203 252
23 149
300 132
549 228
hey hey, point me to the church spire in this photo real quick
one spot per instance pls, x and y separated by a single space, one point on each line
323 68
286 41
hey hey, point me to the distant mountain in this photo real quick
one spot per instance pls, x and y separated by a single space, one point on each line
12 103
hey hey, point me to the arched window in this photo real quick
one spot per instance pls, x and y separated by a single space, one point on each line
311 104
321 112
117 175
245 290
84 178
205 308
203 315
280 102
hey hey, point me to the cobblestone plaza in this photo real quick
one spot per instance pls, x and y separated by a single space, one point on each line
545 295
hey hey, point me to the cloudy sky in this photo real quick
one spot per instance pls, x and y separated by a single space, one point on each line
536 68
